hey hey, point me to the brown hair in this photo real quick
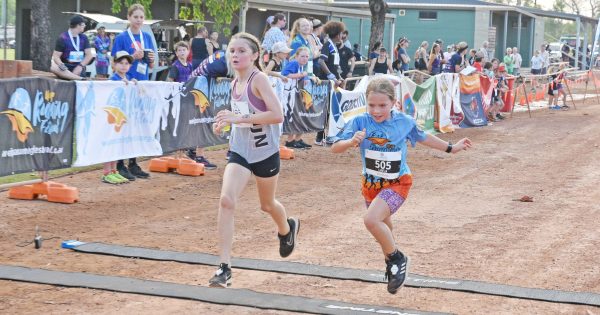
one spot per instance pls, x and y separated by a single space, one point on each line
135 7
334 28
201 30
181 44
253 43
382 86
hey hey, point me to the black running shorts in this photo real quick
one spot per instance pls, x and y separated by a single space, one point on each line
268 167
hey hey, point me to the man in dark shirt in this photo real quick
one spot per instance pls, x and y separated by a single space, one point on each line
347 60
72 51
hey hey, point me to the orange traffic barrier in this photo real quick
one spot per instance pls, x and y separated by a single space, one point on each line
54 192
182 166
286 153
522 100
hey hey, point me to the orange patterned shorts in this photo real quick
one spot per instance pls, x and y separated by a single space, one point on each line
393 192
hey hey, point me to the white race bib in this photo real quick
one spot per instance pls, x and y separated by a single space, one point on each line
336 59
75 57
309 67
240 109
383 164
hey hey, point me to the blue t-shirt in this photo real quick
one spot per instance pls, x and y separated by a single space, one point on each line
123 42
384 149
292 67
455 60
404 66
212 67
116 77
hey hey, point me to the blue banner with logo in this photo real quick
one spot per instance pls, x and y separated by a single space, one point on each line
36 124
473 114
188 123
305 105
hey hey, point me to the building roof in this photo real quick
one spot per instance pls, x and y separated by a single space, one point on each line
560 15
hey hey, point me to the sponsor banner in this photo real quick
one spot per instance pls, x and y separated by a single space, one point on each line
487 91
418 101
471 102
118 121
190 113
305 105
36 124
448 101
345 105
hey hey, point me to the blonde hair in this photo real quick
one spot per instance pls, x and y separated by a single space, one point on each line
382 86
300 49
135 7
252 42
296 29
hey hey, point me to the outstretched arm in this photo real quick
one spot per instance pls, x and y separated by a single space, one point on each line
441 145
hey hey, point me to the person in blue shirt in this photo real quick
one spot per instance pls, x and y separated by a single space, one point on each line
139 45
381 135
122 63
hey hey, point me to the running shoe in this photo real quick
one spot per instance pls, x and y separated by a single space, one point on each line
207 165
291 144
222 277
123 171
303 144
555 107
136 171
565 107
396 271
109 179
191 153
320 143
120 178
287 243
498 116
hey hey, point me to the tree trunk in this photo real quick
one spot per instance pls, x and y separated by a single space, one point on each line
41 43
378 10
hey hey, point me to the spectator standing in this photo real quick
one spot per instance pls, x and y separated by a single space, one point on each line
537 63
347 61
103 44
545 58
508 61
213 43
301 37
199 46
518 60
139 45
434 66
403 54
484 51
275 34
275 65
316 45
457 59
356 50
345 39
381 64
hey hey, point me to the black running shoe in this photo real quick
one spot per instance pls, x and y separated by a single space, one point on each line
222 277
288 242
207 165
304 144
123 171
191 153
136 171
291 144
396 271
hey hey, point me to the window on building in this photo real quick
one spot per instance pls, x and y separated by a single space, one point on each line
427 15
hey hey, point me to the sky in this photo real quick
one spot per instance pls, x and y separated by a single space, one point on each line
547 5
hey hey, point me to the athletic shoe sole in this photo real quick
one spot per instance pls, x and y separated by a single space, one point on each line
220 285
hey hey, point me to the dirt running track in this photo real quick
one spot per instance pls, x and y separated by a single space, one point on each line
460 221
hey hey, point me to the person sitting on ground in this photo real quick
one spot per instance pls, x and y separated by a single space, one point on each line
381 64
72 52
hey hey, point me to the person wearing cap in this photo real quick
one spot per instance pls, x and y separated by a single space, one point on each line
72 51
457 60
103 44
275 34
280 53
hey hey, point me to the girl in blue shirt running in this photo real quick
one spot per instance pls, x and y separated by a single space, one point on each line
381 135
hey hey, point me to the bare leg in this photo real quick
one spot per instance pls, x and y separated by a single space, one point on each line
67 75
375 222
266 193
235 179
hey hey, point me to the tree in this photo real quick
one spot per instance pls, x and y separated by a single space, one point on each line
222 11
41 45
378 10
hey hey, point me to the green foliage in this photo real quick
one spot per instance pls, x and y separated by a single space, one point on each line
117 6
222 12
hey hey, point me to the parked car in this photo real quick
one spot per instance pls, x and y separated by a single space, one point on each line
555 51
12 44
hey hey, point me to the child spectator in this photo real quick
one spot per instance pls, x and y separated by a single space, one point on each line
280 53
497 102
477 63
537 63
296 69
122 63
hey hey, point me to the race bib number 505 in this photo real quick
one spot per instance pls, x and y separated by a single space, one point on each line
383 164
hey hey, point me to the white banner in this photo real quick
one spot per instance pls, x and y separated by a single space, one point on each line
448 99
345 105
117 121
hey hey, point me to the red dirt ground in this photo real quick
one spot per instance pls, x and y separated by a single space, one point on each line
460 221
